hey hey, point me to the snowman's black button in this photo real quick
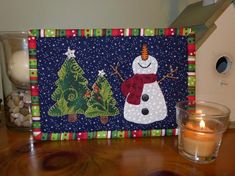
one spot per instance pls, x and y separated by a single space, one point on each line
145 111
145 97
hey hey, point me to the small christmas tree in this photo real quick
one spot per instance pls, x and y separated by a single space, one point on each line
101 102
71 94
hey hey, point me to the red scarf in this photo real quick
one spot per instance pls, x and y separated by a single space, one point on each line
134 86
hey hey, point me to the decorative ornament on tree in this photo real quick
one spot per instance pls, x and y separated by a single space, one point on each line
101 73
72 93
101 102
70 53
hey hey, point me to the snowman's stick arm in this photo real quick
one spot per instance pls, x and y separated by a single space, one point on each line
169 75
116 72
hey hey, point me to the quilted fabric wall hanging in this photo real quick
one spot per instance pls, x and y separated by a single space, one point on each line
109 83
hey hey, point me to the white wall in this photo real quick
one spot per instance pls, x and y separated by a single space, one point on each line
211 85
1 86
193 1
25 14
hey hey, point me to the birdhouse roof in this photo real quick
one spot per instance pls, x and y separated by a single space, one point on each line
201 18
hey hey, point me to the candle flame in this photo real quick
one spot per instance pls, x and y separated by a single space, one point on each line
199 111
202 124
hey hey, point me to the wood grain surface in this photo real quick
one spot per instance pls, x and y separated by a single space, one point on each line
21 156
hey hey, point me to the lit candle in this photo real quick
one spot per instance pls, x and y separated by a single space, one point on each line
201 126
198 139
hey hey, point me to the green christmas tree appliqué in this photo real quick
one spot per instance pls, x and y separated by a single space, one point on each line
71 93
101 103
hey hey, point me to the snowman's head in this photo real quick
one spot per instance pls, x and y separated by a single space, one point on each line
145 64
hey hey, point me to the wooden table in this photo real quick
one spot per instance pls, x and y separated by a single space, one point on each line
21 156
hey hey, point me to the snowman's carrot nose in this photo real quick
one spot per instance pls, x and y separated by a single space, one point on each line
144 52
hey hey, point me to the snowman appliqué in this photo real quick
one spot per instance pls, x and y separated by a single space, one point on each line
144 102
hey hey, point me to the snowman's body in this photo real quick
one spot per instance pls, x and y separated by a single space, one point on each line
152 106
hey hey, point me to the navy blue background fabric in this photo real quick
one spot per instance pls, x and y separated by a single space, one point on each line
98 53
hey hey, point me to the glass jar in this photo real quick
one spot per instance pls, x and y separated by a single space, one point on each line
16 83
201 126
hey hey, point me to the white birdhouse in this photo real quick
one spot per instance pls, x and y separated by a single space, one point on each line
214 26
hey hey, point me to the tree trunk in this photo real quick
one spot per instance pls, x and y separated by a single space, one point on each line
104 119
72 117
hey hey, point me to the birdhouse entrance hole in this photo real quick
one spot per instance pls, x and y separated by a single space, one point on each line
223 65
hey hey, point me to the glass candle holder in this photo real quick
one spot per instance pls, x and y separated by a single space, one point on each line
15 67
201 126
